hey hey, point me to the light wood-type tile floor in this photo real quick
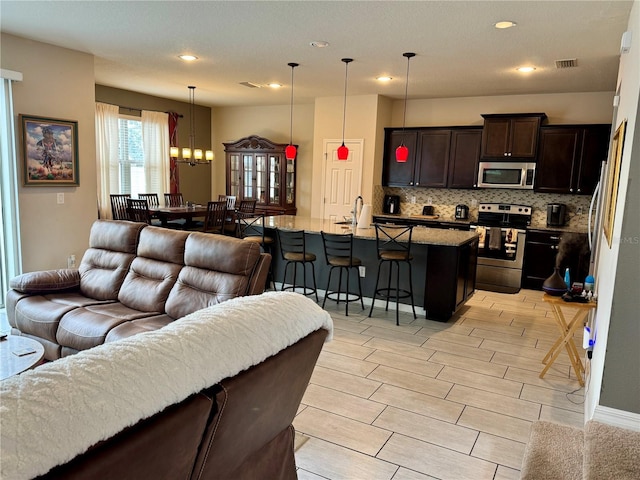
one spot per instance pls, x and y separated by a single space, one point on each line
433 400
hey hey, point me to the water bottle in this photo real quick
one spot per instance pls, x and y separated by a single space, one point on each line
567 278
589 283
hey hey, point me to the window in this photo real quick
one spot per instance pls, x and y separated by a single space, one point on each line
131 155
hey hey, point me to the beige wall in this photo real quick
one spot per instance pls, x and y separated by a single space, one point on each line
231 124
58 83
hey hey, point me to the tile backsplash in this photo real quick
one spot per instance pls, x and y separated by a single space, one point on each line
445 200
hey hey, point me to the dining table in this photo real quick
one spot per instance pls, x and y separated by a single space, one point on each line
188 213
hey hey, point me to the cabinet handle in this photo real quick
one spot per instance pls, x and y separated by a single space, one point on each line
410 183
417 183
571 190
554 238
506 154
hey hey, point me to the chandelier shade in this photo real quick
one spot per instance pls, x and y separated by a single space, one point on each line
343 151
402 152
191 155
290 152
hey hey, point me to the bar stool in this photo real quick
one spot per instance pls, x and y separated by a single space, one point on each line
293 249
393 243
338 252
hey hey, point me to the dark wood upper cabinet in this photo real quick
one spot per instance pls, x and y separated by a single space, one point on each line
438 157
570 158
511 136
463 160
399 174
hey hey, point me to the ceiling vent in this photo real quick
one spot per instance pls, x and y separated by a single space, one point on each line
569 63
250 84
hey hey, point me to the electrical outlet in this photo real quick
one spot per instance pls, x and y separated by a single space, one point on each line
71 261
362 269
429 201
60 198
474 202
413 199
579 211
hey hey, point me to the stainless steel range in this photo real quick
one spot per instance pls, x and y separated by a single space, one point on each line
502 229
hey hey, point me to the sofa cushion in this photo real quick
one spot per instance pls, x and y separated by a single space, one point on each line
87 327
134 327
155 270
217 268
112 248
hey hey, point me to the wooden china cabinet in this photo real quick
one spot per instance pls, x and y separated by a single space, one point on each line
257 169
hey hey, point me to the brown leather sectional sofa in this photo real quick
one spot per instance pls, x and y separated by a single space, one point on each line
210 396
133 278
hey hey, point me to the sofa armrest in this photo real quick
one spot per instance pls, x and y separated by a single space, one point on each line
46 281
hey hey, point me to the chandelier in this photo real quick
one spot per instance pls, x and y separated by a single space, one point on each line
191 155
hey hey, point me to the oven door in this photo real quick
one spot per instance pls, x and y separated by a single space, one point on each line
507 251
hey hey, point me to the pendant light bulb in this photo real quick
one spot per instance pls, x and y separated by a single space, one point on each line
290 151
343 151
402 152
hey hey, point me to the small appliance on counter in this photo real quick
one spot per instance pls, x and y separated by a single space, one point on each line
462 212
427 210
556 214
391 204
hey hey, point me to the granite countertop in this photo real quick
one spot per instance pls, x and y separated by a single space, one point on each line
423 235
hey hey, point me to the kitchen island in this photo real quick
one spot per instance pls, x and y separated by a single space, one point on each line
444 261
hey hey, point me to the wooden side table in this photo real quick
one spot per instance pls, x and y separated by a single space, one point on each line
12 364
567 331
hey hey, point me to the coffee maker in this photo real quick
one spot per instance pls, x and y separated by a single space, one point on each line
556 214
391 204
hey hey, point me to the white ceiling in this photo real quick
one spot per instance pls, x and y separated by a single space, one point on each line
459 52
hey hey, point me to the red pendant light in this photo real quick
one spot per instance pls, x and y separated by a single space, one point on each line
402 152
291 151
343 151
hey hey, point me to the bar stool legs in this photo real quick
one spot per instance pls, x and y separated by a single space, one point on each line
393 292
293 250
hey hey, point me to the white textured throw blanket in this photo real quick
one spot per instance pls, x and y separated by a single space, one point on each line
57 411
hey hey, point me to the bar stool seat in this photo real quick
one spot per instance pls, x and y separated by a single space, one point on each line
393 244
338 253
293 249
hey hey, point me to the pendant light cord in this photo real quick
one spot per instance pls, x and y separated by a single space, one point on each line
406 90
344 108
192 130
292 65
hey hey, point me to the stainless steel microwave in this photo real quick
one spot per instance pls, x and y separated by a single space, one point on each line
517 175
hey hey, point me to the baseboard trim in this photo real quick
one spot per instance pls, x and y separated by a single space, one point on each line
617 418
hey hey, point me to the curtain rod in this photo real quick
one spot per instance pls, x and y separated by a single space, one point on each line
140 110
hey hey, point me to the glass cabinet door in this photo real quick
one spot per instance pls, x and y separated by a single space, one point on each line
234 175
290 179
248 182
274 180
261 178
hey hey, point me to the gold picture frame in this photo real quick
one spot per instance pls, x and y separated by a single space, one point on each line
613 180
50 151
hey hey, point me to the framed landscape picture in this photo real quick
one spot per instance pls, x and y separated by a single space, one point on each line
613 180
50 151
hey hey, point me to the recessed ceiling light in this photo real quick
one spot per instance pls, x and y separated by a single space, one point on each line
384 78
319 44
274 85
505 24
187 58
525 69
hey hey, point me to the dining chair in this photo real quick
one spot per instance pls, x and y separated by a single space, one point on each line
119 206
393 244
173 200
247 206
230 220
230 199
216 214
338 253
151 198
293 250
138 210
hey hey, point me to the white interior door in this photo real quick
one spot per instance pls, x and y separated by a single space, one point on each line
342 179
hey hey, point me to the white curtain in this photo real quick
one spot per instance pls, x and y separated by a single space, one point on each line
107 156
10 249
155 144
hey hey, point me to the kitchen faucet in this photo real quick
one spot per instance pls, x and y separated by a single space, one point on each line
354 219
